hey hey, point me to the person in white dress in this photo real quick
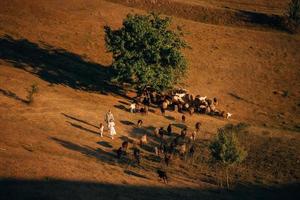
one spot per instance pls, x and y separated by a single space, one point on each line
111 128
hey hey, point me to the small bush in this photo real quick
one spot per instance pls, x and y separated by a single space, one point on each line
293 15
226 150
31 92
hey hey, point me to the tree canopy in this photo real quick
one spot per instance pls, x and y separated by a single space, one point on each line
146 52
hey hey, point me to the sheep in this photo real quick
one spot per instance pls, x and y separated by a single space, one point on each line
140 123
133 107
228 115
143 140
156 132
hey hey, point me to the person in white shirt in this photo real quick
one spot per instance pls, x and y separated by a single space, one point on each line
108 117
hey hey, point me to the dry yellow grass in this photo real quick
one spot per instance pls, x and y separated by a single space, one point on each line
59 45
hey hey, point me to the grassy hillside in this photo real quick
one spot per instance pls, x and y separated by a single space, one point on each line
53 144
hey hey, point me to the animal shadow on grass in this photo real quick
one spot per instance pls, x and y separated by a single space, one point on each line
125 103
107 157
79 120
83 128
128 123
12 95
105 144
147 148
58 66
126 139
170 118
121 107
131 173
182 126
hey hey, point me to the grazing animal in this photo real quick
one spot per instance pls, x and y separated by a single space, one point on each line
183 118
144 110
161 132
184 132
228 115
143 140
169 129
193 136
197 126
167 158
156 151
162 175
216 102
162 110
156 132
191 110
202 98
192 151
182 149
137 155
140 123
132 107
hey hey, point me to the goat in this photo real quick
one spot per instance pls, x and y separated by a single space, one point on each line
162 175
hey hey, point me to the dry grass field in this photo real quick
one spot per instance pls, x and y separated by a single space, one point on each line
51 148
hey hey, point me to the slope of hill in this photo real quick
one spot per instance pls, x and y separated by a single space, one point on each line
54 143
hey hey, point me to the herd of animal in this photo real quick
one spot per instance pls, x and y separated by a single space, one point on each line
178 100
169 144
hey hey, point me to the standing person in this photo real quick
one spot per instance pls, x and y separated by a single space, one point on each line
101 127
111 128
109 117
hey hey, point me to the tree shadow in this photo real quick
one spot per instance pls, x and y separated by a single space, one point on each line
178 125
126 139
13 96
121 107
242 99
107 157
105 144
169 117
268 20
128 123
57 189
58 66
83 128
131 173
125 103
79 120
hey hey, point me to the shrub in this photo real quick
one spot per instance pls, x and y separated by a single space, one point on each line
293 15
146 52
226 150
31 92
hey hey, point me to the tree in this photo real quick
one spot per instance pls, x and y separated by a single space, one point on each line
146 52
226 150
293 14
